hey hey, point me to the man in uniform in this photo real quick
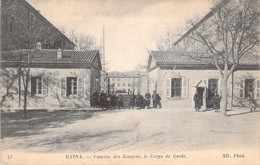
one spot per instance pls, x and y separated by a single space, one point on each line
132 101
102 99
120 103
138 100
95 99
156 100
147 100
113 100
197 100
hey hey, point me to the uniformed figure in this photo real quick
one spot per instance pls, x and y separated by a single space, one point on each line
143 102
113 100
120 103
138 101
197 100
216 102
95 99
132 101
156 100
108 99
102 99
147 100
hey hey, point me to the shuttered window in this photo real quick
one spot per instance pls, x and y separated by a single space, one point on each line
39 86
177 87
72 86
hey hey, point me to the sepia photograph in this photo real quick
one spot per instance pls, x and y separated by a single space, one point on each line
130 82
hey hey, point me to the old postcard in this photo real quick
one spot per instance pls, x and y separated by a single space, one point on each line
130 82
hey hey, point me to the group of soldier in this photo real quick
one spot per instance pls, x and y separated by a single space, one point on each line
215 100
114 100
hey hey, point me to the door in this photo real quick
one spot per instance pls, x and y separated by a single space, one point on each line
212 89
201 90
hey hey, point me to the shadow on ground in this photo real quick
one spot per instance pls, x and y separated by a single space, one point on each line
14 125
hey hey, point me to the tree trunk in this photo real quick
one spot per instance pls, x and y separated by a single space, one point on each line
224 99
25 102
19 85
25 96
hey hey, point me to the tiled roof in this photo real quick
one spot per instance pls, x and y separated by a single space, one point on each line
168 57
50 56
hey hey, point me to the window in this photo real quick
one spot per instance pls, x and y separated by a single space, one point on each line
212 87
71 86
123 84
249 87
38 86
118 84
176 87
129 84
118 79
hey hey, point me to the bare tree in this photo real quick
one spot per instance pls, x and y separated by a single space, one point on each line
83 42
27 32
165 43
231 34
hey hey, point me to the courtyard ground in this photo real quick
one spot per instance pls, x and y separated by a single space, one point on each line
162 130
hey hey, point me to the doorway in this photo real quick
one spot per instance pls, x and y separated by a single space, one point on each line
212 89
201 91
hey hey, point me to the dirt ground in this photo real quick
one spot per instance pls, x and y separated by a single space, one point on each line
166 130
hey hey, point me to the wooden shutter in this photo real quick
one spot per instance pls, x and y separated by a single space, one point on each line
242 88
205 84
257 89
80 86
31 86
185 86
44 86
168 87
63 86
220 87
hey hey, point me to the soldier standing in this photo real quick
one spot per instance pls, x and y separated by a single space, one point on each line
156 100
216 102
132 101
138 100
95 99
113 100
197 100
147 100
102 99
120 103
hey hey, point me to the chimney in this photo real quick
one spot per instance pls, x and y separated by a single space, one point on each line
39 45
59 53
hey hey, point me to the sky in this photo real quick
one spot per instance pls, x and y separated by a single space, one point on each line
131 26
